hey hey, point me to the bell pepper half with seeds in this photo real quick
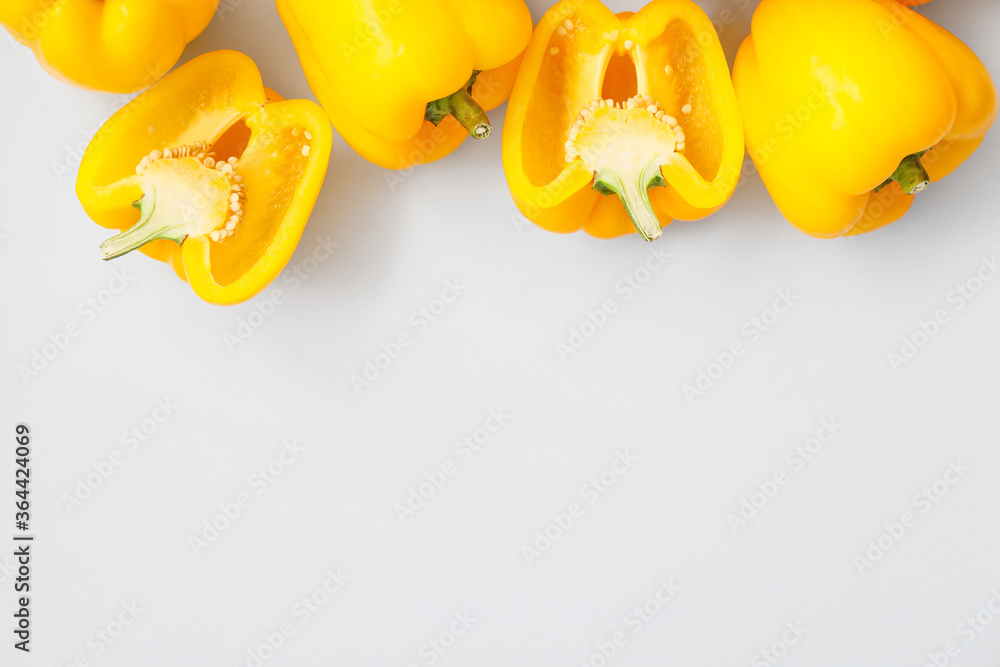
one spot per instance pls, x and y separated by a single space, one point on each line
405 82
622 123
854 107
210 172
117 46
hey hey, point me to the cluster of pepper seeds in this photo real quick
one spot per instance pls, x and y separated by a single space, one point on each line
237 189
638 102
563 30
305 147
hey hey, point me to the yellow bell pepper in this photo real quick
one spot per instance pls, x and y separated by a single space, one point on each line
851 107
223 172
118 46
639 105
405 81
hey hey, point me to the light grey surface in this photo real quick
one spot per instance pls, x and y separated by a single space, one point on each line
494 348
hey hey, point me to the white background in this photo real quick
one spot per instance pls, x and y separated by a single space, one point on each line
495 348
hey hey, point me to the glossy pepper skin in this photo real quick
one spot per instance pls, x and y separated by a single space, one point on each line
377 65
118 46
244 153
564 164
840 95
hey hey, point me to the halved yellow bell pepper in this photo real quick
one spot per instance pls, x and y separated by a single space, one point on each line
223 172
118 46
851 107
406 81
621 104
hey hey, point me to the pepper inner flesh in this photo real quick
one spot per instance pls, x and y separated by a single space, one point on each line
624 145
581 61
194 190
186 192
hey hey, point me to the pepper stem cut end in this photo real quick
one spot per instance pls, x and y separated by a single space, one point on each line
464 108
143 231
632 190
910 174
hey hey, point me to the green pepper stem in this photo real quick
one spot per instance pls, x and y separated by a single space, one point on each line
910 174
142 232
634 195
464 108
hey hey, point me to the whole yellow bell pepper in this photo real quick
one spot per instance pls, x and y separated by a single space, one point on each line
851 107
637 105
406 81
117 46
223 172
